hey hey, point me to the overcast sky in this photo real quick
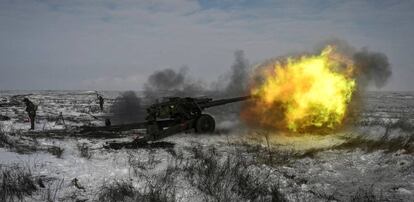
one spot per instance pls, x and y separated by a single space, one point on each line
102 44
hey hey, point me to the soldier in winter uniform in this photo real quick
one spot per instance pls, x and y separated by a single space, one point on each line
101 102
31 111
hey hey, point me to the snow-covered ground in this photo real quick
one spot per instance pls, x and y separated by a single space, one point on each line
371 160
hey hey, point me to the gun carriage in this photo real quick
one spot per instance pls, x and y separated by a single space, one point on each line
174 115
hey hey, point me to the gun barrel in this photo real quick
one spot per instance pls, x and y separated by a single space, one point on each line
223 101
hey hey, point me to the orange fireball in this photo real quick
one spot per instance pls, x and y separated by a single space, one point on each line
302 93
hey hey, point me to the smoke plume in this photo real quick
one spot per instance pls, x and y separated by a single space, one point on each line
169 82
372 68
127 108
238 76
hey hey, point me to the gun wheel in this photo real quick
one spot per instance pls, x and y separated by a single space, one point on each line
205 124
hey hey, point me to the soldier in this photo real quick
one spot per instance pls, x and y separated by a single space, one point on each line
101 102
31 111
107 122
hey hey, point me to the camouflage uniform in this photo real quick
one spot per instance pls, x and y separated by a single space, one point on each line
31 111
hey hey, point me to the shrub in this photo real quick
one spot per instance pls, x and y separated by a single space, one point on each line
84 151
160 189
391 145
50 192
116 191
16 183
156 190
369 194
56 151
228 179
4 140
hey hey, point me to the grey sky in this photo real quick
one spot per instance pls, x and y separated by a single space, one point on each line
88 44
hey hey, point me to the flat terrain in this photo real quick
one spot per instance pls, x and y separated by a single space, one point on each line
369 160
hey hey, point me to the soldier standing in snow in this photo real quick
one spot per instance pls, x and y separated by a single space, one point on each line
101 102
31 111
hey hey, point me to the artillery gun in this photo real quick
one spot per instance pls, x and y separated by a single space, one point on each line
174 115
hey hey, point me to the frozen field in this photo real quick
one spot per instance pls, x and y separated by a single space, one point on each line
370 160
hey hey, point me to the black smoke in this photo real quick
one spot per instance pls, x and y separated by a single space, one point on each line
238 76
127 108
371 68
169 82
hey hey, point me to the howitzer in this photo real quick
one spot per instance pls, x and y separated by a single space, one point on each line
175 115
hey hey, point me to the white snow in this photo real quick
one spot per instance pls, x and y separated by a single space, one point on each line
329 172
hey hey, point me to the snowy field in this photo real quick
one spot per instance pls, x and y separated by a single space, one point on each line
370 160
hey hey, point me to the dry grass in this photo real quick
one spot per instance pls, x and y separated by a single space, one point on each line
273 155
388 145
159 189
368 193
4 140
116 191
84 151
139 163
404 123
15 142
50 192
16 183
214 176
56 151
228 178
364 194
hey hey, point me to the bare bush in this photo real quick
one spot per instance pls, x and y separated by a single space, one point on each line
84 151
51 191
400 143
364 195
116 191
404 123
56 151
27 146
228 179
16 183
137 164
368 193
4 140
159 189
272 156
217 177
14 142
